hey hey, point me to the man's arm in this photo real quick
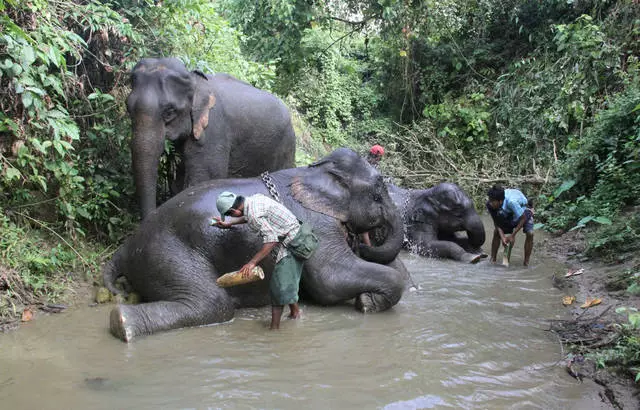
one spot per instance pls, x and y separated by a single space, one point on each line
512 237
245 271
226 225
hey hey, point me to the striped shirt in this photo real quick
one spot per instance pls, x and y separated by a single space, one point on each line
272 220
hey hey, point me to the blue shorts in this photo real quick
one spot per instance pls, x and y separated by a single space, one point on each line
509 226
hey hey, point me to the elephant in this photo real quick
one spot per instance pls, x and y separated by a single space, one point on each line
433 219
221 127
173 259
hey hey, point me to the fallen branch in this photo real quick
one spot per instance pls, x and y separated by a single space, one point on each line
535 180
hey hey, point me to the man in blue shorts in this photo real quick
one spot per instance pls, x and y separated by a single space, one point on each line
510 211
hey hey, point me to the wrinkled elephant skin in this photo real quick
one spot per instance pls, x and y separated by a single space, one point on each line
221 127
434 218
175 256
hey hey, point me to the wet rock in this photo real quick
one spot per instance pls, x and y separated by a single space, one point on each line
98 383
103 295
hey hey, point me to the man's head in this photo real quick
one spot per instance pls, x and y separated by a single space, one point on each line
375 154
230 204
496 196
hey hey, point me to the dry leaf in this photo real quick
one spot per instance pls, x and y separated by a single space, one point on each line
27 315
567 300
591 302
574 272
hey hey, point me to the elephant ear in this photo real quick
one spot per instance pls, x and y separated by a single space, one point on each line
324 189
203 100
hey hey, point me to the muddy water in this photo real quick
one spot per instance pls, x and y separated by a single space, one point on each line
471 337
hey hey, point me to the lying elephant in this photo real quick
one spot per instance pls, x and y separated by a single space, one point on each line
174 258
433 217
220 126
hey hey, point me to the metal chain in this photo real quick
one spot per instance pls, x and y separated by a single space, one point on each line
271 186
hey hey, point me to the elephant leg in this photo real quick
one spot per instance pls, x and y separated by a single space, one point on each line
426 243
463 241
128 322
398 265
332 279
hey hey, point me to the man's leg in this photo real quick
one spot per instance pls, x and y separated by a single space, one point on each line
528 241
276 314
495 245
294 311
528 247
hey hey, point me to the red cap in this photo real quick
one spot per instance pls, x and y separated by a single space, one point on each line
377 150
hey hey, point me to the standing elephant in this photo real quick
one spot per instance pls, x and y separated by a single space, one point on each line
174 257
221 127
433 217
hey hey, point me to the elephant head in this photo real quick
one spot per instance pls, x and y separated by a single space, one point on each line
344 186
166 101
433 217
454 210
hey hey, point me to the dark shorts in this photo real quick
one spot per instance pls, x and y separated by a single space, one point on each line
285 281
509 226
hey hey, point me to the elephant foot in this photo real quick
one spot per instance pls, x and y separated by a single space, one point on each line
119 326
473 259
371 302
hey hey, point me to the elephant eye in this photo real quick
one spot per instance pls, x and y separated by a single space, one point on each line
168 114
377 197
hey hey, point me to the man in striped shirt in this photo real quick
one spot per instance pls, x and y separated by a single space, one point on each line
277 226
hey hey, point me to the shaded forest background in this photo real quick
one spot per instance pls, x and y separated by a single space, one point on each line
543 95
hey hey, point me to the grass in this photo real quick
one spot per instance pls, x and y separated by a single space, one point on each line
39 267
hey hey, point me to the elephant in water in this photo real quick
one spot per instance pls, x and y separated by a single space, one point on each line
433 218
221 127
175 256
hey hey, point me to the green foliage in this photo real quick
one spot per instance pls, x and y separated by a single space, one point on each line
329 92
34 261
273 28
47 158
465 120
600 172
626 352
195 32
610 240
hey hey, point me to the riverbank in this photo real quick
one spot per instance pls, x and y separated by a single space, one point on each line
591 336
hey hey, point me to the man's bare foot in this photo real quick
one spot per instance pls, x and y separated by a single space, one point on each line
294 316
295 311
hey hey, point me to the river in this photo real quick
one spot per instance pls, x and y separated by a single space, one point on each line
472 337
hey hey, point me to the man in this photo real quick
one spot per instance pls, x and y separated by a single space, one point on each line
375 155
277 225
510 212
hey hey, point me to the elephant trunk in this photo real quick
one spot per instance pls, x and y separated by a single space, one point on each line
475 231
387 251
147 146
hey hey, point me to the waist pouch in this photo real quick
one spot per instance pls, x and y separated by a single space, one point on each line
304 243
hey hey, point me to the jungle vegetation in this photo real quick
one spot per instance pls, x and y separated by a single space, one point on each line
543 95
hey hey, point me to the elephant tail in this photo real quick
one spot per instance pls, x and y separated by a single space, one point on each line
110 273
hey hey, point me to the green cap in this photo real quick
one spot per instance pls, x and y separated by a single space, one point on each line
225 202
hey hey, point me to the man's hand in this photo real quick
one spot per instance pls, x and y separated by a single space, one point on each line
245 271
509 239
216 221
